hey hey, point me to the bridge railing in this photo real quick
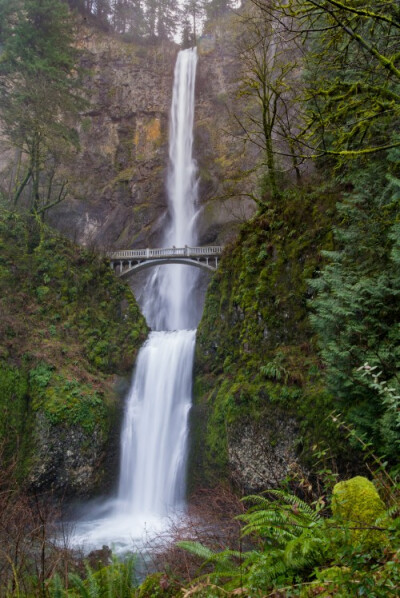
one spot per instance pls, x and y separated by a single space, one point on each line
142 254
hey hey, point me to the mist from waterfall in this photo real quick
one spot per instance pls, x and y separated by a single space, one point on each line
155 427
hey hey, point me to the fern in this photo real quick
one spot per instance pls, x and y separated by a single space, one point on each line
295 501
294 540
196 548
79 585
305 551
278 522
227 563
115 580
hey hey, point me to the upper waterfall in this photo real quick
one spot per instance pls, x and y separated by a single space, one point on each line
168 303
182 183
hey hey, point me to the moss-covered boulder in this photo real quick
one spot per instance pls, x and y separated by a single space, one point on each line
69 334
357 504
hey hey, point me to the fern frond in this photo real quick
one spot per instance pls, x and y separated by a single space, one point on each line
293 500
390 513
226 554
305 551
92 583
266 570
197 549
257 499
280 525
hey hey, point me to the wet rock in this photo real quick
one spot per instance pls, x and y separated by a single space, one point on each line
66 459
262 454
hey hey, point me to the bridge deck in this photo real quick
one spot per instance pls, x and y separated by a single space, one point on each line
165 252
126 260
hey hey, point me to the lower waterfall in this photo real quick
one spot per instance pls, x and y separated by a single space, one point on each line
155 428
153 448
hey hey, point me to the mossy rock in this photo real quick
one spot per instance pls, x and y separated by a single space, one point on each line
356 503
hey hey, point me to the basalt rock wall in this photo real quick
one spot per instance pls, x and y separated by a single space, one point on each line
117 196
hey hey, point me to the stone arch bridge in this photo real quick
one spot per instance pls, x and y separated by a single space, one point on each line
125 261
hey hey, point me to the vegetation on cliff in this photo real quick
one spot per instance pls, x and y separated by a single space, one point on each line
308 294
256 356
68 327
301 320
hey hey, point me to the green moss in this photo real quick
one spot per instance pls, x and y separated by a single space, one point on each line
13 407
66 401
68 327
356 502
255 347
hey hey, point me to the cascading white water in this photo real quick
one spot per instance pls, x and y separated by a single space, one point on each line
154 434
168 303
155 427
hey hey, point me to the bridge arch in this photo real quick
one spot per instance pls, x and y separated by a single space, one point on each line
160 262
124 262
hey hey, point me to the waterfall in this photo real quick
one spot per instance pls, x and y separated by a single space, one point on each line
155 428
168 303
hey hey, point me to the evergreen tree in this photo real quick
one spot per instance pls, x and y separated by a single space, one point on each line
128 17
102 12
38 93
192 17
357 307
217 8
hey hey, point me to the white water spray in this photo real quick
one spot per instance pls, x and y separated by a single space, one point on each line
154 435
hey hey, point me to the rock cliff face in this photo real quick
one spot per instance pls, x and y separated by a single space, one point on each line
259 399
69 333
117 182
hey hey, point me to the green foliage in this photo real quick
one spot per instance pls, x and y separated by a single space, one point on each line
60 349
66 401
356 309
13 407
40 377
299 551
292 539
158 585
115 580
352 73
